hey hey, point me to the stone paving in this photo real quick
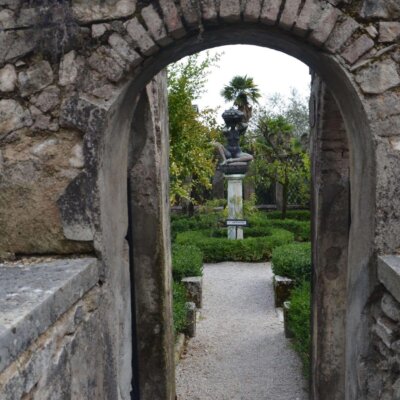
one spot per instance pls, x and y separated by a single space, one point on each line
240 352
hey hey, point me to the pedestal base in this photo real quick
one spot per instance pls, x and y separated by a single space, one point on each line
235 203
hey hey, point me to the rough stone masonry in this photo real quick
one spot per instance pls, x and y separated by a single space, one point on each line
82 102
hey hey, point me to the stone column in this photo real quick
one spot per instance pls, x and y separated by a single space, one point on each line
235 203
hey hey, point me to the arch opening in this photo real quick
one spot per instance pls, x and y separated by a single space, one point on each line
355 238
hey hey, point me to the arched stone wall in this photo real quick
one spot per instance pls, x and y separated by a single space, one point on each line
71 74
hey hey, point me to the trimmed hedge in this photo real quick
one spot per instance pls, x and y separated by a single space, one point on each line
179 307
293 261
217 249
299 316
301 229
200 221
187 260
299 215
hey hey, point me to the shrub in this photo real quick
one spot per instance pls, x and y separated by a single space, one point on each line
187 260
293 260
179 307
201 221
301 229
299 316
299 215
217 249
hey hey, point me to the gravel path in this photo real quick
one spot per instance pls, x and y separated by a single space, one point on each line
240 352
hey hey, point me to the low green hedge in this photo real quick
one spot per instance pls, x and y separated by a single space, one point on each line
293 261
179 307
217 249
187 260
299 215
200 221
299 316
301 229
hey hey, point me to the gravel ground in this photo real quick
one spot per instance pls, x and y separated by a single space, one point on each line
240 352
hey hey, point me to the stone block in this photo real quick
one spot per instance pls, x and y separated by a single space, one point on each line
13 116
33 297
282 289
70 67
8 78
372 31
287 330
270 12
48 99
396 346
289 14
140 37
15 44
229 10
396 390
102 61
324 26
179 347
341 34
172 19
194 289
155 25
388 127
386 9
378 77
122 48
307 17
390 307
358 48
191 318
389 31
95 10
35 78
82 114
99 30
191 12
209 11
389 274
386 330
252 10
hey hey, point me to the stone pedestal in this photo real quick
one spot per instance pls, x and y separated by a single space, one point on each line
235 203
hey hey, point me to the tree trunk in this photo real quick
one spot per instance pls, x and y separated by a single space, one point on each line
285 198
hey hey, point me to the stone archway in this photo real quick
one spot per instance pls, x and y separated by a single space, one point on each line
76 104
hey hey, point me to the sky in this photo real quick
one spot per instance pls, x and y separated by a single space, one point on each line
271 70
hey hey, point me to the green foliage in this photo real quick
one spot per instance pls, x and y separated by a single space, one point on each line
179 307
301 229
300 215
299 316
251 249
279 141
187 260
199 221
293 261
192 161
210 205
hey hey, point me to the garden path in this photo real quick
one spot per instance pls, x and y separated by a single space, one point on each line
239 352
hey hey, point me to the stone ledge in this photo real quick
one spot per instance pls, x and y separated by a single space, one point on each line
33 297
389 274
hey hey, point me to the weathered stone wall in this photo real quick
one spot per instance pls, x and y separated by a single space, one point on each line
331 223
379 374
71 74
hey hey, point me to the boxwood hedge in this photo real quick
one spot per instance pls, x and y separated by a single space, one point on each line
187 260
293 261
299 315
217 249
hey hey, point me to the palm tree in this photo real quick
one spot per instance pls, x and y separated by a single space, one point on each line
243 92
